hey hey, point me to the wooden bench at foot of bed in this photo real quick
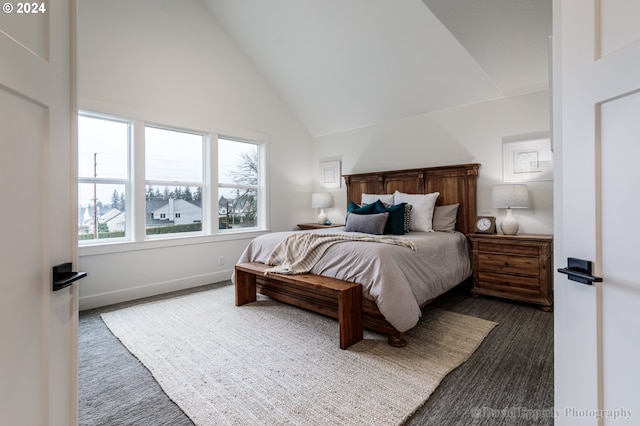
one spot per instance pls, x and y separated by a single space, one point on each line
328 296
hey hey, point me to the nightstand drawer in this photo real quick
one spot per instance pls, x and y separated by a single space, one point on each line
510 249
508 264
509 283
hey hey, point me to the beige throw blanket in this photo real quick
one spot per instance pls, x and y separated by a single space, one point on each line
299 252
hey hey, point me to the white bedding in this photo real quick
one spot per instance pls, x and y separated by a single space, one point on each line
398 279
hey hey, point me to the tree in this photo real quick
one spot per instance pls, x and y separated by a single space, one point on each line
188 196
177 193
149 195
117 200
114 199
247 174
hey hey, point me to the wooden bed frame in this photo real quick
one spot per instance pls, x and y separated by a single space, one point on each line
336 298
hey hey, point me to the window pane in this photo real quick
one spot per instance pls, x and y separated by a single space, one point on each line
106 208
102 143
237 208
173 209
237 162
172 155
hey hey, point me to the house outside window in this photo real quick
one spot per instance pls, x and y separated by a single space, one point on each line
174 178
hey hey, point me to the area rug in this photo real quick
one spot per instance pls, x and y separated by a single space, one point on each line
268 363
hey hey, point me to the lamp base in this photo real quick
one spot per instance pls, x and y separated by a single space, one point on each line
322 217
509 224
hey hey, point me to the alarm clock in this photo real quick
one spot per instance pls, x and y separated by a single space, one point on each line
485 225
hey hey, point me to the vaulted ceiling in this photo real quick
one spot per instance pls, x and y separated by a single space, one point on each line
346 64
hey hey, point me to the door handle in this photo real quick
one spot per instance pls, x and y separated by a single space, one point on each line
579 270
64 277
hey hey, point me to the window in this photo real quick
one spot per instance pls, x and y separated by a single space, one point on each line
139 181
103 176
238 184
174 177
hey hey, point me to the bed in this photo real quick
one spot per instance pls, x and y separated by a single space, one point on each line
395 282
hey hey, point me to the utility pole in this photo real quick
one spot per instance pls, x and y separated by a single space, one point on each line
227 214
95 197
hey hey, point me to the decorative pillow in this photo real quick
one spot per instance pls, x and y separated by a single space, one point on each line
358 209
397 214
372 198
368 223
444 217
422 212
407 217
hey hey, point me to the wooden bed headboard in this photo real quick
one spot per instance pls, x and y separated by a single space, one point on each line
456 184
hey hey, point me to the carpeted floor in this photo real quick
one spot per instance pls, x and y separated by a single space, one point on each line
508 380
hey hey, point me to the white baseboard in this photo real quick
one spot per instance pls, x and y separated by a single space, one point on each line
119 296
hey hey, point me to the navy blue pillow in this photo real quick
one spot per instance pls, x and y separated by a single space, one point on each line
395 222
357 209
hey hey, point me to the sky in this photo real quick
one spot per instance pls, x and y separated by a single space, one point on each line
170 156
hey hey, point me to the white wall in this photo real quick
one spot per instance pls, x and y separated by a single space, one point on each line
170 62
466 134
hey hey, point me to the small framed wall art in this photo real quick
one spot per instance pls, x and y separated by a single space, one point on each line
528 160
330 176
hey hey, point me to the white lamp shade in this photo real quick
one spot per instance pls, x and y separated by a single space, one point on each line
510 196
321 200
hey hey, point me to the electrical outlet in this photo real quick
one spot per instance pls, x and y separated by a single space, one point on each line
221 260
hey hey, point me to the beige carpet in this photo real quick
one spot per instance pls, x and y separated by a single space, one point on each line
268 363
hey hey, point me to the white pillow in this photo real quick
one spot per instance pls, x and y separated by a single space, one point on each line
372 198
422 213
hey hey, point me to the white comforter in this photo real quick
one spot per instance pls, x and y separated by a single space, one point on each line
397 278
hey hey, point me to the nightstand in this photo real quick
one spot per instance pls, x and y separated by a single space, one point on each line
307 226
516 267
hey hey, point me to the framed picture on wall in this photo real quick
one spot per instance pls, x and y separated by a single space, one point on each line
528 160
330 174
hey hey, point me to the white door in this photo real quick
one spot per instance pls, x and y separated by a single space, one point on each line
38 327
597 201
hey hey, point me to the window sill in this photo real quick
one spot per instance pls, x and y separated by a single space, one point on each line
125 246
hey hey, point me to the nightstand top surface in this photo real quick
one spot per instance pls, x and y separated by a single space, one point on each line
316 226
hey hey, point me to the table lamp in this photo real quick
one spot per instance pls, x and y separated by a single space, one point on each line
321 200
510 196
